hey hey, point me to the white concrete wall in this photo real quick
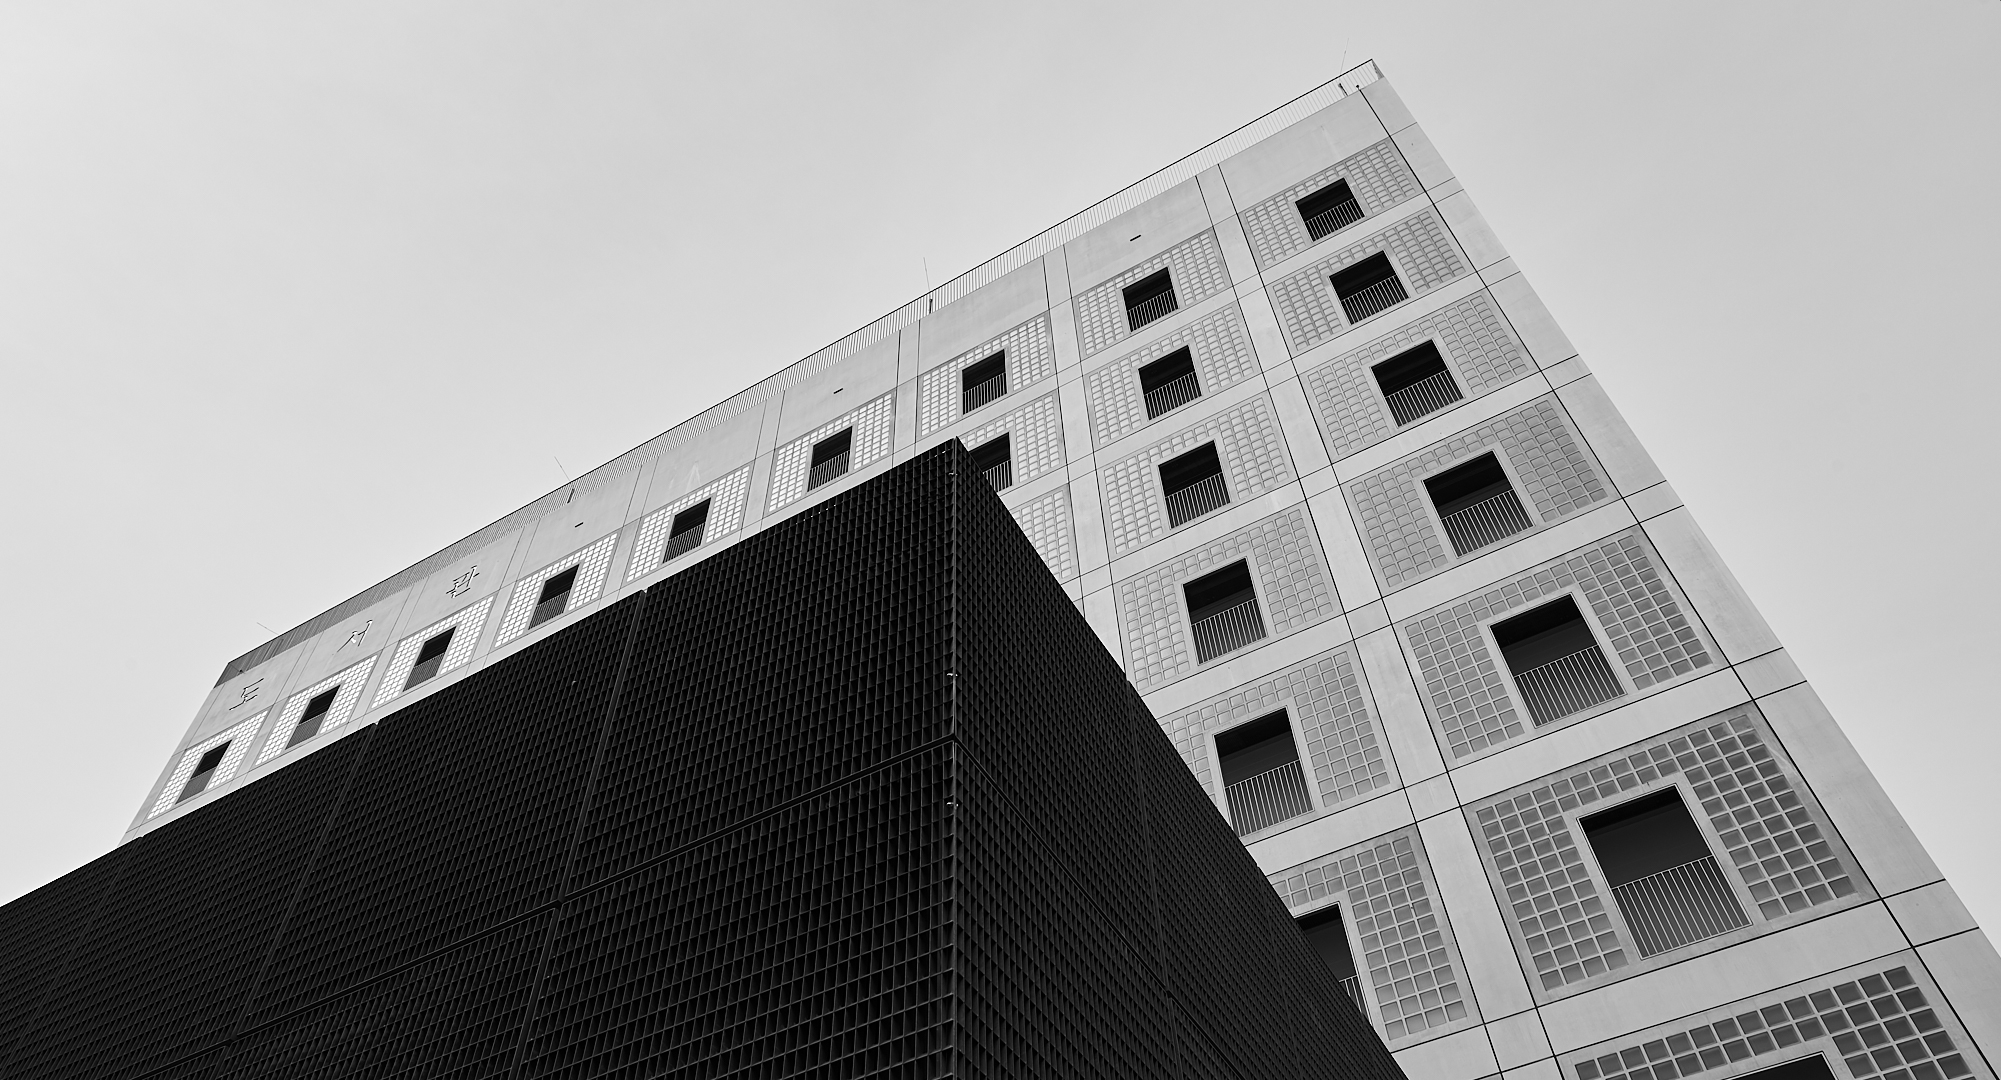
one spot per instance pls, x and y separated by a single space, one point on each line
1351 572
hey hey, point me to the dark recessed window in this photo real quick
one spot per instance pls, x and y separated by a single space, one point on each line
310 720
1416 383
1476 504
1325 931
204 771
1814 1067
830 458
1329 210
430 657
1663 877
1223 611
1262 780
1368 286
685 534
1149 298
995 460
555 596
1169 382
1555 660
982 382
1193 484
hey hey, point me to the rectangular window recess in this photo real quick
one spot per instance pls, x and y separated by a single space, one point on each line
1329 210
204 769
1476 504
1169 382
1663 877
995 459
830 458
1328 935
685 534
309 721
1557 664
1193 485
1416 383
1368 287
1149 298
430 657
1262 780
1223 611
982 382
1811 1067
555 597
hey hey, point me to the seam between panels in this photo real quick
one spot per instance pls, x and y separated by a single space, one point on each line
57 978
554 906
298 890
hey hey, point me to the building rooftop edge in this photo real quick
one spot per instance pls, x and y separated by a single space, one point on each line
1035 247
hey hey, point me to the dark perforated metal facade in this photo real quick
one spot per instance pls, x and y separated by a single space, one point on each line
862 796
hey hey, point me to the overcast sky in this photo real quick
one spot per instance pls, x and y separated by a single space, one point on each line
293 295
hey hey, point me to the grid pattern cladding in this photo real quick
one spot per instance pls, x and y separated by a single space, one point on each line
1551 467
465 625
462 819
1031 358
1035 432
1046 521
1387 895
813 940
957 845
727 495
1775 837
1218 345
1377 177
350 680
874 423
458 1013
176 943
593 565
1254 461
863 636
1880 1023
1195 266
1620 580
1326 696
1293 585
1480 350
238 737
1425 258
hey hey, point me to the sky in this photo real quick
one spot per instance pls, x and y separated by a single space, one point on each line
294 295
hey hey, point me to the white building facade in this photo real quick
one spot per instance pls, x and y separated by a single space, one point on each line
1418 610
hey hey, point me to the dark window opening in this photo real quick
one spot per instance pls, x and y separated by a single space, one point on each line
830 458
995 460
204 770
309 721
1416 383
982 382
1476 504
1223 611
1663 877
1328 935
555 597
1262 780
1813 1067
1149 298
685 534
1556 662
1329 210
1193 485
1368 287
1169 382
430 657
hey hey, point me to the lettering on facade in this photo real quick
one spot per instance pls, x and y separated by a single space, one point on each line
462 584
355 638
247 694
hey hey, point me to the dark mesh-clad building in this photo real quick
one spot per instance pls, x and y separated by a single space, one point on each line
861 796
